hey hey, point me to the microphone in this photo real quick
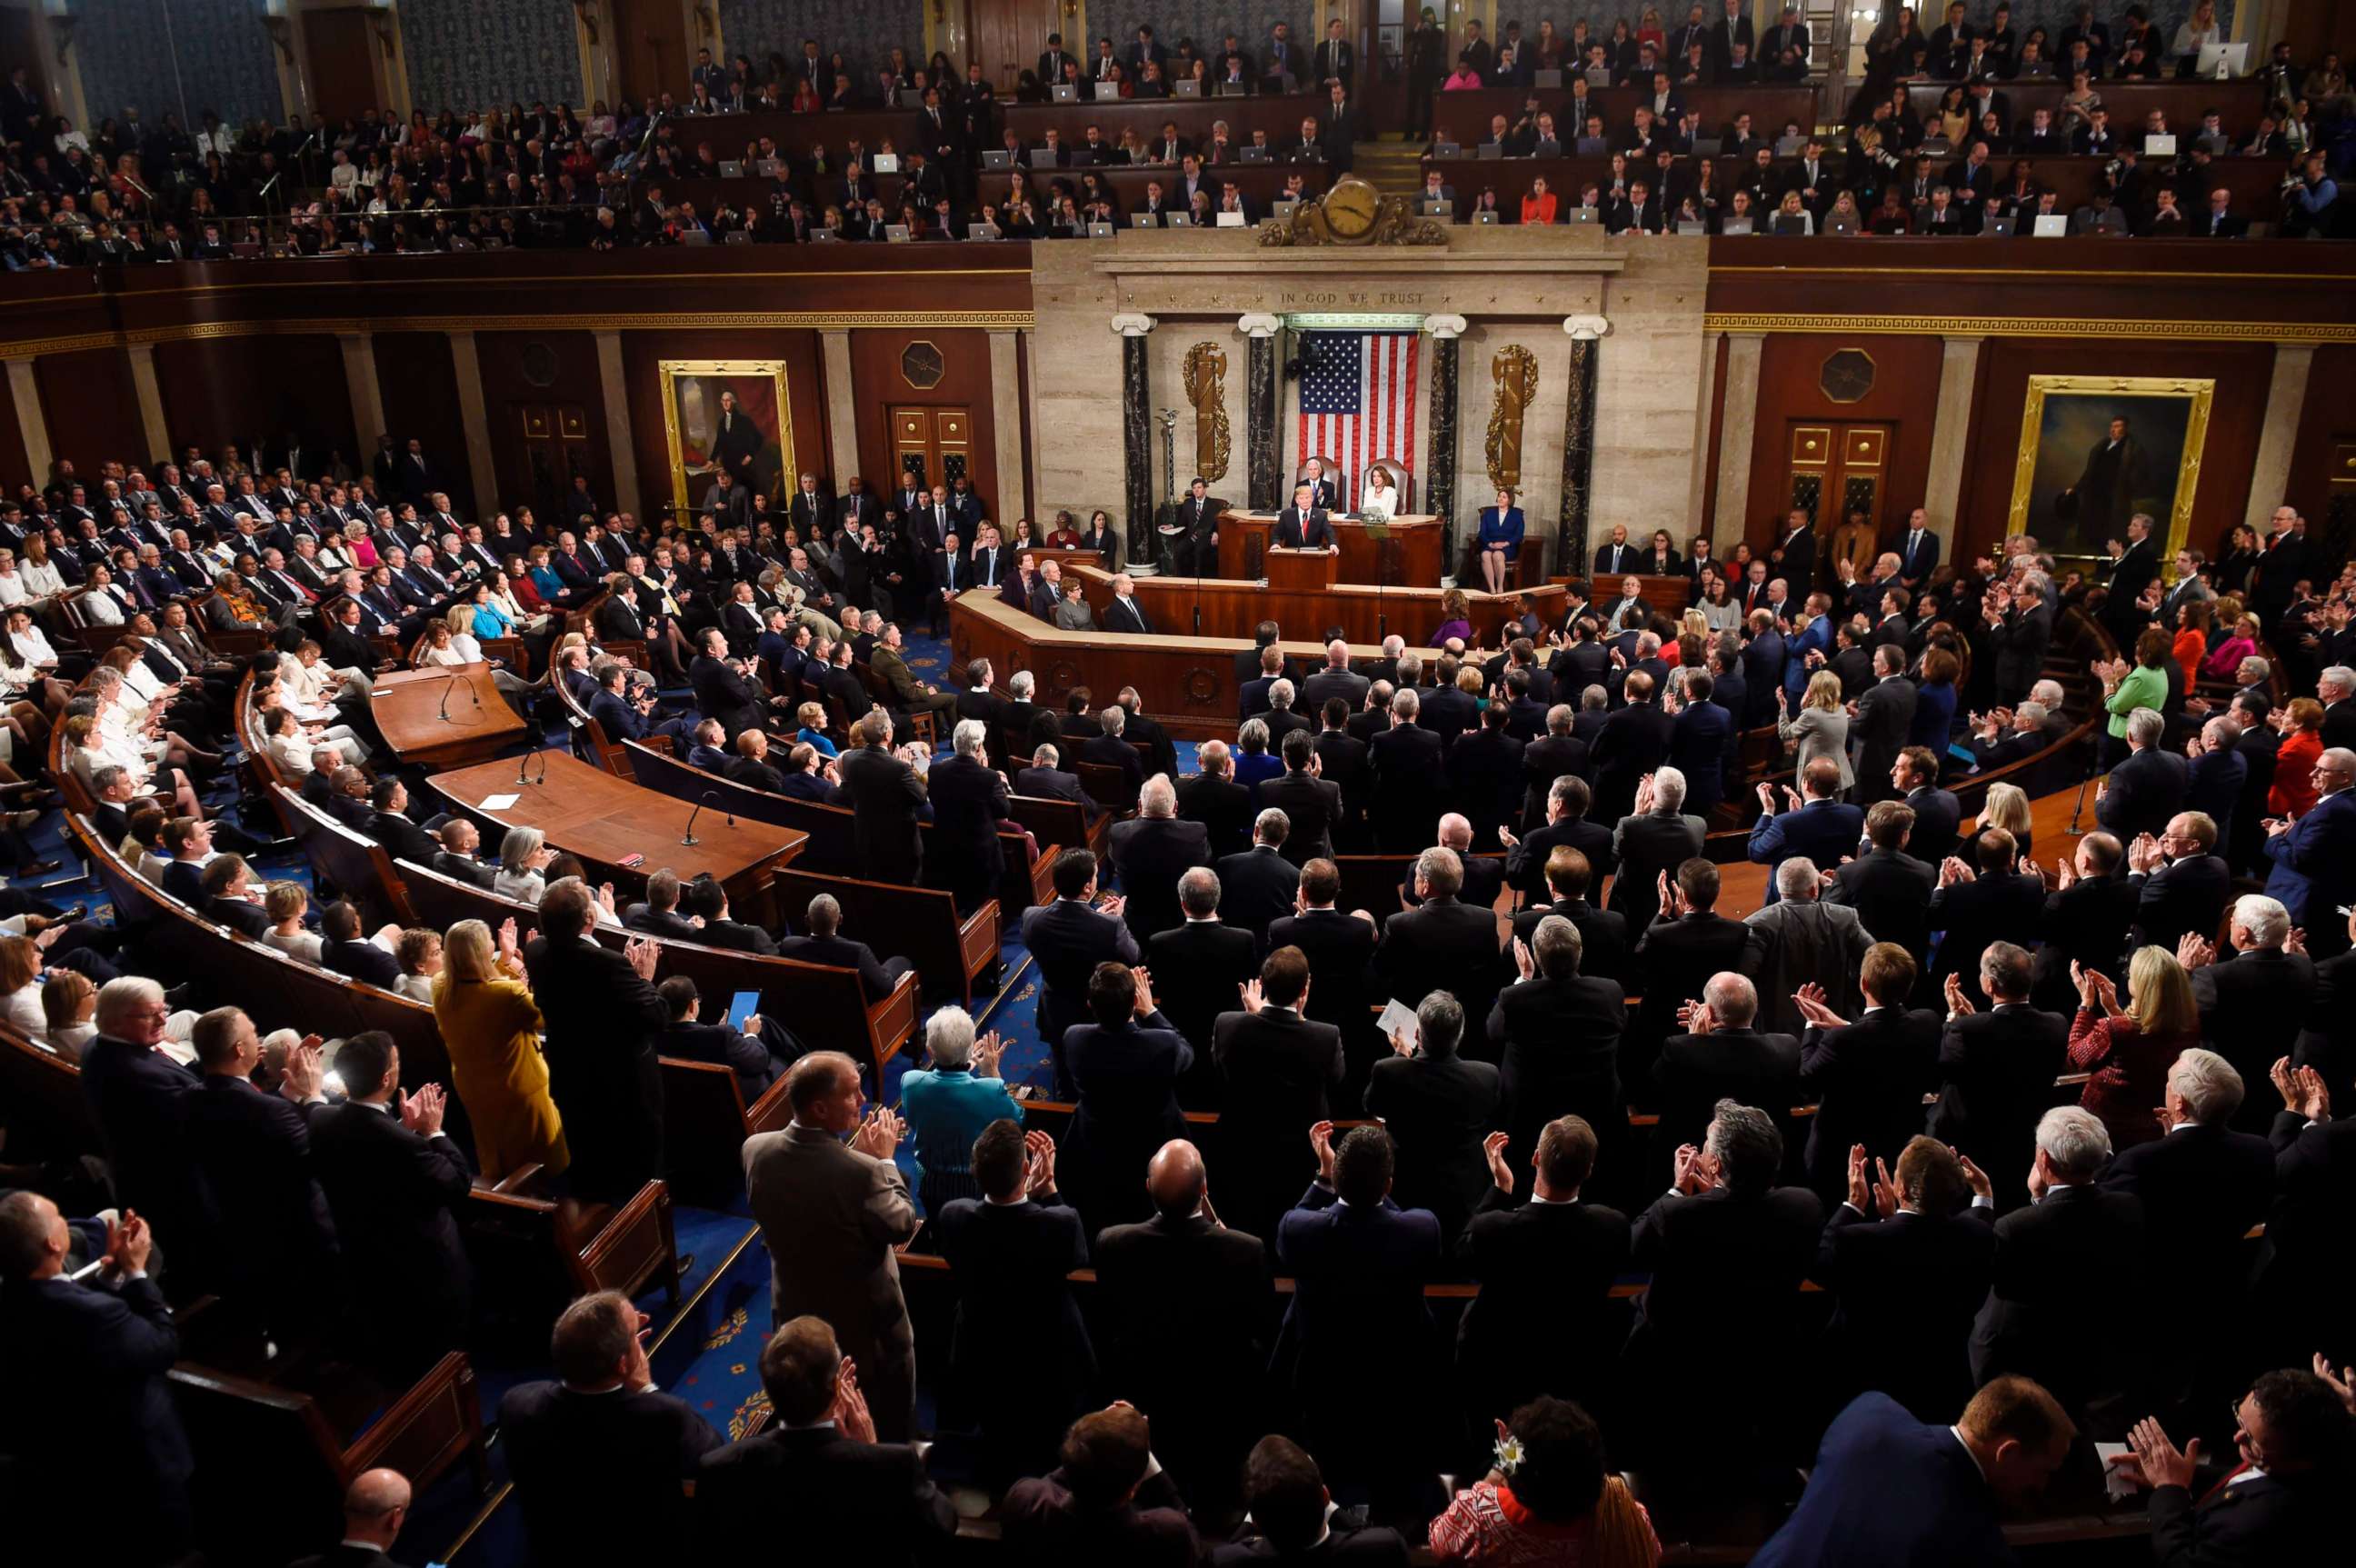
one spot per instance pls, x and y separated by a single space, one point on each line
524 762
541 777
449 681
689 838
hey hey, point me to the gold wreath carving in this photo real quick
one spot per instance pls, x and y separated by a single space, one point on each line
1206 380
1515 372
1395 223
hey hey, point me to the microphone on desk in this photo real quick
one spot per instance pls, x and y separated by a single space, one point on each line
448 683
688 837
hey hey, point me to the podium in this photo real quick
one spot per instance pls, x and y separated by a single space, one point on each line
1299 571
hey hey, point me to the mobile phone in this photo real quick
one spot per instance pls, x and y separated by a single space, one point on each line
631 861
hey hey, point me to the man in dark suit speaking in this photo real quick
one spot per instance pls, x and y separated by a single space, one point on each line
1303 525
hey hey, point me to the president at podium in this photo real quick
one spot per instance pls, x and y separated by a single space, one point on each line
1302 525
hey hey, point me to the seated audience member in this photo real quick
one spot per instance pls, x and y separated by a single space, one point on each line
707 900
817 1462
1909 1269
456 858
1185 1293
1545 1270
825 944
1046 779
1105 1501
1559 1503
743 1051
376 1506
597 1456
1359 1263
1010 1252
89 1419
2278 1501
1295 1520
2073 1242
658 914
1887 1487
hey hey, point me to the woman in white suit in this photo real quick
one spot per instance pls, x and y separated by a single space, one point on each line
1381 494
1821 724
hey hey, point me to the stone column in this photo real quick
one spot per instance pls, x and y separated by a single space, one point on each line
151 422
2285 397
1698 486
1943 491
621 448
361 385
1737 422
1136 432
25 391
468 370
1439 463
1260 455
1006 423
1586 334
842 407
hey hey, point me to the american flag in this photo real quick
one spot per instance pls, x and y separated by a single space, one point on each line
1357 402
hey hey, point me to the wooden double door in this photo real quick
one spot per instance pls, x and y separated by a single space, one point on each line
1009 35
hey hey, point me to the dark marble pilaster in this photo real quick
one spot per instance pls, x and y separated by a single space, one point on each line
1440 466
1137 445
1259 424
1578 455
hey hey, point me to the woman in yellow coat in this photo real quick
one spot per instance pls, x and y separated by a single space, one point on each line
491 1028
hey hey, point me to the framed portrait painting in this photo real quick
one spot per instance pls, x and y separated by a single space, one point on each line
2095 450
725 416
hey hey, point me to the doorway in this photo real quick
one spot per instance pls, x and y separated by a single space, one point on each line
935 445
653 53
1009 37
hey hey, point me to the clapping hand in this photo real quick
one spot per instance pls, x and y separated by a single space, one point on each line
421 1112
1506 835
2339 1385
879 1133
2296 941
1952 871
1502 1175
1767 796
1321 1142
641 953
1039 1150
1958 1004
1112 904
1644 795
1144 991
1974 1178
2193 951
1522 959
2155 1461
1694 1170
1810 1000
1672 904
304 1071
849 1412
2302 1090
1254 998
987 1051
128 1243
1694 1017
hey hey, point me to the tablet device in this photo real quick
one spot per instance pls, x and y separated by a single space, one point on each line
741 1006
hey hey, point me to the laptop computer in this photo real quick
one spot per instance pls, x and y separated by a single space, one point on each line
1791 223
737 237
1599 76
1790 147
823 236
1145 220
1735 226
696 237
1230 220
770 168
1546 79
1252 155
1108 92
2050 226
1837 224
732 168
1043 157
895 231
1179 220
1446 150
997 158
1692 226
1439 209
1100 231
1584 217
1593 147
1283 210
887 163
2160 147
1999 227
1232 89
1491 151
1067 92
1710 146
1190 87
1485 216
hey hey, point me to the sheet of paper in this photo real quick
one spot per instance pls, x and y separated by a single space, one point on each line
499 802
2116 1483
1398 1019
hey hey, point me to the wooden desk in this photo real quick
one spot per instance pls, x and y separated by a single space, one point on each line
410 708
1410 558
603 819
1188 681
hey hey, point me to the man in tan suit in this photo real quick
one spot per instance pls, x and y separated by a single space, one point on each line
831 1212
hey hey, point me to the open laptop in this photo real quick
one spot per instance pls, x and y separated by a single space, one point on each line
1735 226
1145 220
1692 226
1108 92
2050 226
1067 92
997 158
1100 231
1230 220
1446 150
1232 90
1599 76
1283 210
1790 224
895 232
1710 146
1189 88
823 236
982 231
1254 153
1439 209
887 163
1491 151
1593 147
770 168
1546 79
1584 217
1487 215
1790 147
1178 220
735 237
1839 223
2160 147
1999 228
732 168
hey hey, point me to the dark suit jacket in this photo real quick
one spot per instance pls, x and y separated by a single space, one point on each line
1867 1081
141 1101
2076 1244
1907 1288
721 693
393 1195
1694 1073
2202 1187
1256 888
1184 1299
463 868
841 952
601 1472
90 1418
2180 896
1888 1487
1127 1078
402 837
2253 1005
870 1500
1674 960
1995 907
2142 793
1069 939
1009 1262
1890 891
968 799
1312 806
1995 1079
1647 846
886 800
1359 1273
603 1025
1149 854
1410 779
1526 861
1635 741
1224 808
254 1151
1822 831
1726 1269
1546 1272
1558 1048
1438 1109
1280 1074
1443 945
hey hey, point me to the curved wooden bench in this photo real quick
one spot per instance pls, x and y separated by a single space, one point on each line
919 924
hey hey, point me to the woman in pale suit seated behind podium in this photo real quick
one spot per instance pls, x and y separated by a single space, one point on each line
1381 495
1821 724
1501 541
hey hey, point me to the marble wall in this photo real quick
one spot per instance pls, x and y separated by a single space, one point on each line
180 57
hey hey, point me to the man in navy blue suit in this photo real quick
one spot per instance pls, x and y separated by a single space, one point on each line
1887 1488
89 1416
1701 743
1817 827
1360 1264
140 1099
2314 870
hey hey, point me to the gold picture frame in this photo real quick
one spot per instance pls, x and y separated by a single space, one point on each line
692 403
2167 427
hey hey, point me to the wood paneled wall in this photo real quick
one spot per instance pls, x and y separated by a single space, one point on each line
2328 425
880 386
420 392
244 389
92 412
642 356
1904 395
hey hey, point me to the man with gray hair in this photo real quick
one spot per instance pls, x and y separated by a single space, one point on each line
1150 851
1727 1247
1112 749
1280 720
1722 1055
2147 786
2314 858
2072 1243
1410 765
1656 838
1443 944
1198 967
141 1099
1261 885
2254 997
1484 875
1213 797
2336 689
969 800
1807 940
